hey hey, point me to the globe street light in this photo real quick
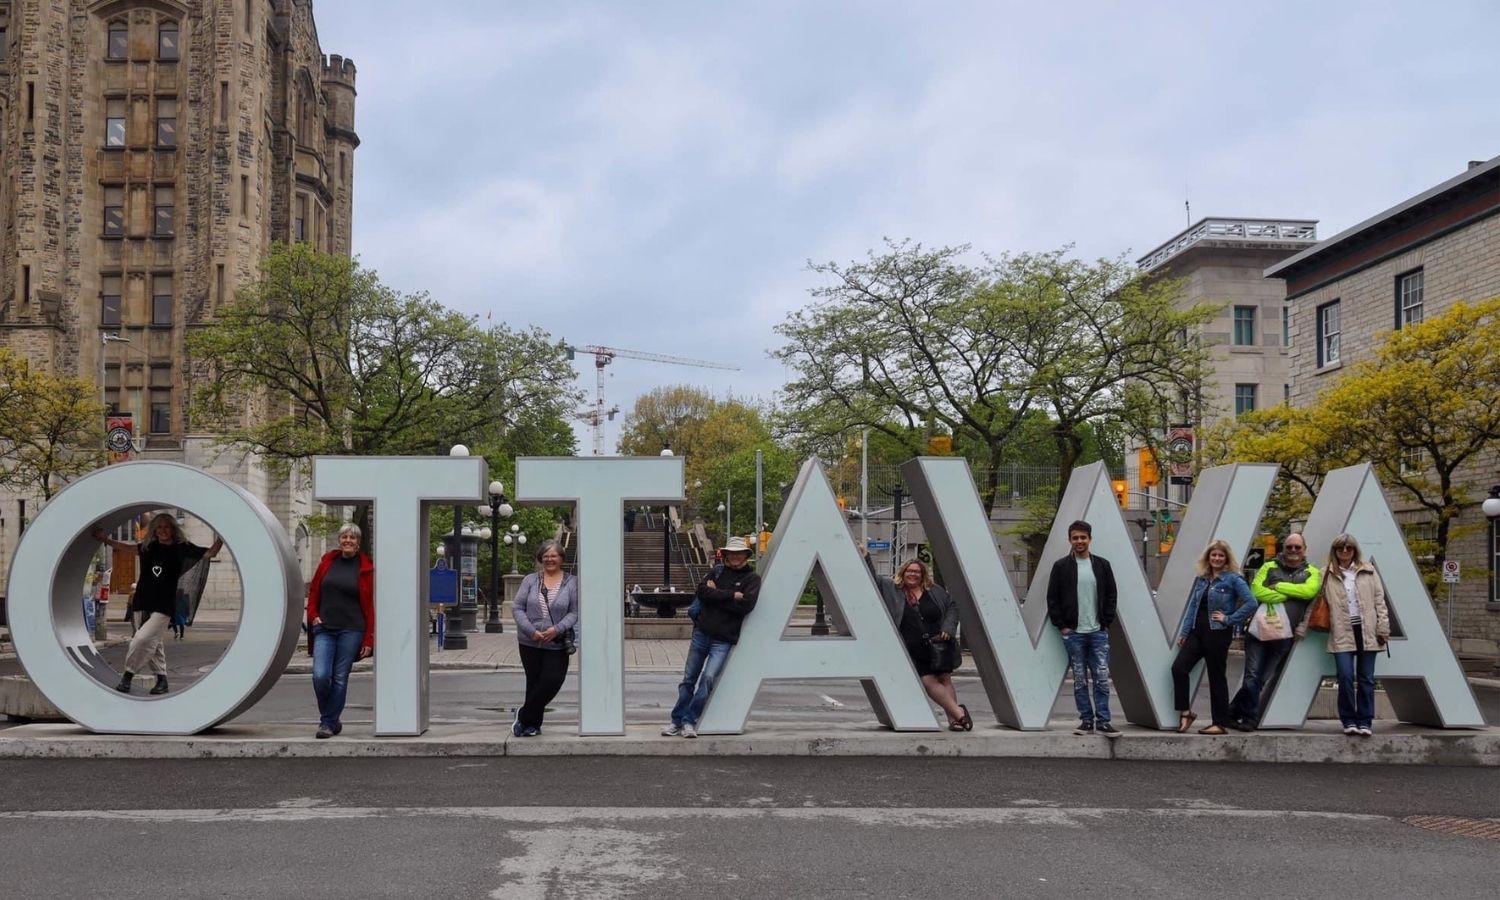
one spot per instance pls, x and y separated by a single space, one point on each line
495 510
514 540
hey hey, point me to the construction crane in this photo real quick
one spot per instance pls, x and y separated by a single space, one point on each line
597 414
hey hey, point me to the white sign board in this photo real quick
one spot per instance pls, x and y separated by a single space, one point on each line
1450 571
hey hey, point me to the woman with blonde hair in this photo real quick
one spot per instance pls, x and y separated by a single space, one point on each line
1219 601
927 619
164 556
1359 627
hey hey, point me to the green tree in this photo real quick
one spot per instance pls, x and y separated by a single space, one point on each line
51 428
668 416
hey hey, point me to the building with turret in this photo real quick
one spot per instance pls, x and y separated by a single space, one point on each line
151 151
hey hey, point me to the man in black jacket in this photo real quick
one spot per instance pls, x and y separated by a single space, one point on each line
726 596
1081 599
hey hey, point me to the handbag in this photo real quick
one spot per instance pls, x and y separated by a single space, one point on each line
1318 617
570 646
943 656
1271 623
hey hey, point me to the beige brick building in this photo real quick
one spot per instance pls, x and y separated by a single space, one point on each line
1222 261
1413 260
150 153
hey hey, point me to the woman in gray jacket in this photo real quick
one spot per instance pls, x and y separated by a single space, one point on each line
546 611
924 613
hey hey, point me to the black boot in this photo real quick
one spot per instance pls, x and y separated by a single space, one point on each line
161 685
124 685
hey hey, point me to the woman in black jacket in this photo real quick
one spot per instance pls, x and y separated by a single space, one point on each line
924 613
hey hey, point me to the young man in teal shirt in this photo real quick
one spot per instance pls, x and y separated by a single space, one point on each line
1081 597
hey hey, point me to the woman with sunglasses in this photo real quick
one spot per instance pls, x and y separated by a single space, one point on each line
1359 627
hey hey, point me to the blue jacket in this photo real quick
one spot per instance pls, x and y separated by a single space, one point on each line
526 609
1228 594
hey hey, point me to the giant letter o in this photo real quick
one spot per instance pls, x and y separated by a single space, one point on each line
46 615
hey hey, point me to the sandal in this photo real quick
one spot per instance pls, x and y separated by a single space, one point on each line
967 722
956 726
1214 730
1188 718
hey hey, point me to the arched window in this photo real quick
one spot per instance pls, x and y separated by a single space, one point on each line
118 46
166 41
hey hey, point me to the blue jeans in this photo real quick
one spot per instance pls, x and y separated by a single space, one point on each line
705 662
1088 656
334 652
1263 661
1356 671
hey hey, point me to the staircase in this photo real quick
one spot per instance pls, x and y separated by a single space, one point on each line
642 552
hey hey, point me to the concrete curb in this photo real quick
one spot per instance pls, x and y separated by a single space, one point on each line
1400 745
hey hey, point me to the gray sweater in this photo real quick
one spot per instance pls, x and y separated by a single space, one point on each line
526 609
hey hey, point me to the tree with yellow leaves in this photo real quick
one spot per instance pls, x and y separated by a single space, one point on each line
51 428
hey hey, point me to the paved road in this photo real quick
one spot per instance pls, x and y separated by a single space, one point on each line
667 828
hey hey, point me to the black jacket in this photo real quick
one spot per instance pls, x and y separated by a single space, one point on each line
722 615
1062 592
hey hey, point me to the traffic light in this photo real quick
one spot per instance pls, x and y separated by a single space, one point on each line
1122 492
1150 474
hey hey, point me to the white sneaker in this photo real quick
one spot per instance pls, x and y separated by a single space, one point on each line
1366 731
673 730
689 731
1350 730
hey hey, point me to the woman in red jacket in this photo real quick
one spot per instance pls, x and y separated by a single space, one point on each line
340 624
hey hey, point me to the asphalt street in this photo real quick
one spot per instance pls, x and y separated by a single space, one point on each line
780 827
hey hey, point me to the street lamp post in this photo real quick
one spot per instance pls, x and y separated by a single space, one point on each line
1491 509
496 510
514 540
666 539
454 636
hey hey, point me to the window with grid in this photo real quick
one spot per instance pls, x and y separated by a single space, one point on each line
1244 326
118 45
166 212
1244 398
1411 460
161 300
166 41
1409 298
112 387
114 122
161 399
1328 334
109 299
114 211
166 122
299 224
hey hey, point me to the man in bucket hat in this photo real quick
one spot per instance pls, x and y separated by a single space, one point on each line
725 597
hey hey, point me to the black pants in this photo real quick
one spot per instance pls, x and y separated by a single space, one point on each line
1213 648
545 672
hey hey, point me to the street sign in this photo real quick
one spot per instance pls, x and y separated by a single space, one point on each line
1450 571
442 587
878 545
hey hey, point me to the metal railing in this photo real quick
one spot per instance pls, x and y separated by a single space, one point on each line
1301 231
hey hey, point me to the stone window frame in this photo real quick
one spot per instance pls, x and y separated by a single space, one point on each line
1246 397
163 305
170 121
120 26
123 119
105 298
1410 284
118 209
1329 338
1243 330
164 27
159 400
158 209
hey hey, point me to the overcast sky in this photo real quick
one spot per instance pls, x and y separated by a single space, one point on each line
654 176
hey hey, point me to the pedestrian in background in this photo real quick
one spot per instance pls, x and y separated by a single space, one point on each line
1219 602
340 624
1081 599
163 557
545 610
1359 627
927 620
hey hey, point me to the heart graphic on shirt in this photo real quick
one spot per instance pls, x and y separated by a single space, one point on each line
156 570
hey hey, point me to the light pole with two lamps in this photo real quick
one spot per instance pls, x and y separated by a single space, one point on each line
514 540
495 510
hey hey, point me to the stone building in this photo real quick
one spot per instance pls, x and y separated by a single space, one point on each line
152 151
1222 261
1345 293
